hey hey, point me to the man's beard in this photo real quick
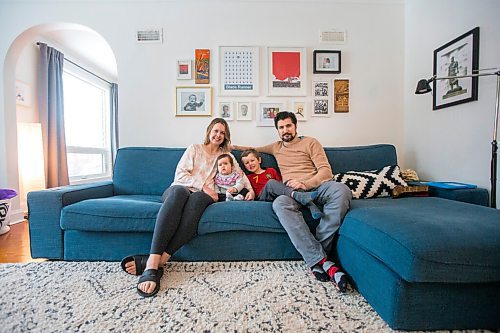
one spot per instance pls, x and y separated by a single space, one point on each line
287 137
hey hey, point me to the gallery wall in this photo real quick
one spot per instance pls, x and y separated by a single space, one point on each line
372 59
453 143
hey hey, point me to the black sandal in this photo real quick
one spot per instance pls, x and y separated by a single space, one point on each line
140 263
153 275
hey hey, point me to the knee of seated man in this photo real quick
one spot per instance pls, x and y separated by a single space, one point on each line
339 191
284 202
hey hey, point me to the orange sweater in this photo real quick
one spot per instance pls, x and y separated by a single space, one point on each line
303 159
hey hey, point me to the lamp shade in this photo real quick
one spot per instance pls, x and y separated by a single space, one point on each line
423 87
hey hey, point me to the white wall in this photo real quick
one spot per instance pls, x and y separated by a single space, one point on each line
372 60
454 143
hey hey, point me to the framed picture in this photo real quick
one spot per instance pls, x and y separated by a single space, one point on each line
458 57
193 101
239 71
341 95
23 94
202 65
184 70
321 89
320 108
244 110
299 108
287 71
267 111
226 110
326 62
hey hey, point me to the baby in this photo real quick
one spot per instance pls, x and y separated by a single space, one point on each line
229 183
267 183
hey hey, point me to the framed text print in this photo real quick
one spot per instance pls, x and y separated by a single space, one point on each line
239 71
287 71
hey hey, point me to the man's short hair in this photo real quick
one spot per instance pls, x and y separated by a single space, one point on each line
284 115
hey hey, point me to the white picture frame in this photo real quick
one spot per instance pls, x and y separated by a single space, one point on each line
321 89
244 111
239 70
300 109
226 110
267 111
287 71
184 70
321 108
193 101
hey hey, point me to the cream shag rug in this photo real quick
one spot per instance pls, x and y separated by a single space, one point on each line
195 297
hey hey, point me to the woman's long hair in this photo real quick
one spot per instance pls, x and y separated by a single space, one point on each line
227 137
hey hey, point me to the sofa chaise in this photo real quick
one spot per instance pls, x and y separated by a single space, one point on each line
421 262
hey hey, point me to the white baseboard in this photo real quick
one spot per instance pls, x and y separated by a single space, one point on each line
16 216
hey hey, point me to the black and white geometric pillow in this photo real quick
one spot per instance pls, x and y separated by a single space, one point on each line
371 184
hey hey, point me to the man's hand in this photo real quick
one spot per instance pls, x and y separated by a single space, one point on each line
250 196
295 184
211 193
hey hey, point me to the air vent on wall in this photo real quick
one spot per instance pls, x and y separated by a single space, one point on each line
149 36
333 36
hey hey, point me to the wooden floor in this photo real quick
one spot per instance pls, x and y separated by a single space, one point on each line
15 245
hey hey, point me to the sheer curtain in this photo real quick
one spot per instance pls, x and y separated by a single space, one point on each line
51 110
114 121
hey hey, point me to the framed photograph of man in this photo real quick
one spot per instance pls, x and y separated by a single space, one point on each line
193 101
226 110
267 111
456 58
244 110
326 62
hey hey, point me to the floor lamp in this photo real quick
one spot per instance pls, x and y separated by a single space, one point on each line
424 87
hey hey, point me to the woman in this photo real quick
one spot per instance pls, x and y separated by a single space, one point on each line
183 204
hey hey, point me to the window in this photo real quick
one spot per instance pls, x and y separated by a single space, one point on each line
87 125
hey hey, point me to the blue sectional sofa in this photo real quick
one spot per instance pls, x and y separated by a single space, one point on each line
421 262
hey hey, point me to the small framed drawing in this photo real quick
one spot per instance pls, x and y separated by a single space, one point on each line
321 89
341 95
326 62
320 108
23 94
184 70
300 110
193 101
458 57
226 110
287 71
267 111
239 71
244 110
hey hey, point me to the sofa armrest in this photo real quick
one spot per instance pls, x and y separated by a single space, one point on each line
44 213
477 196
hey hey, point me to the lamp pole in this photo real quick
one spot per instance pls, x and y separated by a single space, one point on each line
494 143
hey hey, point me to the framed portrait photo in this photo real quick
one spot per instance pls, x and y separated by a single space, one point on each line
193 101
184 70
458 57
244 110
267 111
226 110
299 108
239 70
287 71
326 62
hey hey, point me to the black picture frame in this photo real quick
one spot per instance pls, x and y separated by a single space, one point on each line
326 62
456 58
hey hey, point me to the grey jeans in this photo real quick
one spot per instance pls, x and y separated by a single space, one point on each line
336 199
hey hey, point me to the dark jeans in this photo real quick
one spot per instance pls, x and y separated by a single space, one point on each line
177 220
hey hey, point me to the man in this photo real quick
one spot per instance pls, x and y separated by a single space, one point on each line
304 166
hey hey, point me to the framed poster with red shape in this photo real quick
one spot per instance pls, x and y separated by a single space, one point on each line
202 65
287 71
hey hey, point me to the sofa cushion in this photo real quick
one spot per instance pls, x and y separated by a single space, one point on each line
121 213
448 241
371 184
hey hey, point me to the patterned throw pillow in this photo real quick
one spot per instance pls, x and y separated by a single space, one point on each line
371 184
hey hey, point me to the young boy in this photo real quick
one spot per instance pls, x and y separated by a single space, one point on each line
229 184
267 183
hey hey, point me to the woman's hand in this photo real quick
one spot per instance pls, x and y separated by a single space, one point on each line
211 193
